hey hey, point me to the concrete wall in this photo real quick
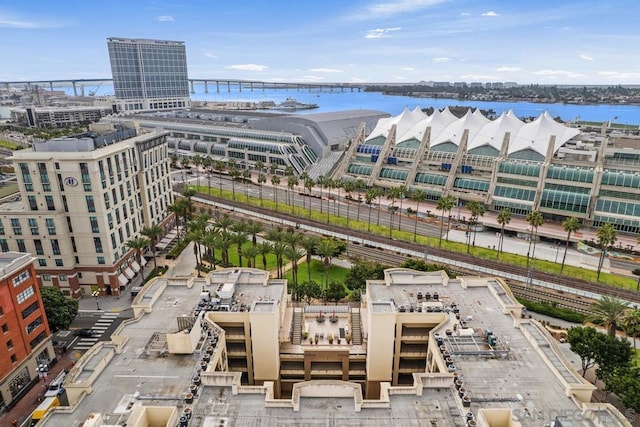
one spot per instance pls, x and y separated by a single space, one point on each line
265 345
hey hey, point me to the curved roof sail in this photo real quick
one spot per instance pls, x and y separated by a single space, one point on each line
535 136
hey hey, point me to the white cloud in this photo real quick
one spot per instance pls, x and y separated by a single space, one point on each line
508 69
441 59
380 10
380 32
586 57
620 76
558 73
11 22
325 70
490 13
358 80
210 55
408 69
165 18
311 78
248 67
465 14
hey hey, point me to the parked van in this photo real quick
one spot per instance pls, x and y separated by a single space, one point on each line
55 387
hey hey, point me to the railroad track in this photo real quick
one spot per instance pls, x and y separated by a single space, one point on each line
570 282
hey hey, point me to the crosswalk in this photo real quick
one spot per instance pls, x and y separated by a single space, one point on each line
99 328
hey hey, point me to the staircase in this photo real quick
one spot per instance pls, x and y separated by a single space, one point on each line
296 327
356 328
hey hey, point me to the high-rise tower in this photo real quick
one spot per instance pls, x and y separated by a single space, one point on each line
149 74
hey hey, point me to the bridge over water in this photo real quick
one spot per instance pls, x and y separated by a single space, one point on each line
219 84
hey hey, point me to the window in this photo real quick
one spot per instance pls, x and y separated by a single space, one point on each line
33 325
59 262
37 340
9 344
33 226
42 262
91 207
26 294
21 245
1 227
17 228
46 187
87 187
5 328
101 260
51 226
21 278
38 245
55 247
46 277
3 245
94 224
30 310
97 242
14 359
42 169
62 277
50 205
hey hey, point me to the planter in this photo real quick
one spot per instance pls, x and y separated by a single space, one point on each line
469 416
203 365
471 423
458 384
456 376
206 357
187 413
188 398
446 354
196 380
443 348
209 349
466 402
462 391
193 389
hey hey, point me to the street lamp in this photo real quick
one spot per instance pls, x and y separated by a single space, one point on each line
96 294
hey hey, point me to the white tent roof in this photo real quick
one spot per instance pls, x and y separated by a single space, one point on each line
404 121
438 121
493 132
453 133
535 135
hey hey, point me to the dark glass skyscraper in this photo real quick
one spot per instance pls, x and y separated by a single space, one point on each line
149 74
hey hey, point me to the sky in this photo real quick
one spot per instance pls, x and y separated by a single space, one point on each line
372 41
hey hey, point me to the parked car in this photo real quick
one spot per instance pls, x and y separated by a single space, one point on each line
86 333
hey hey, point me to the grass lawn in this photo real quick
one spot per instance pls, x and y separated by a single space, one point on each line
317 273
233 258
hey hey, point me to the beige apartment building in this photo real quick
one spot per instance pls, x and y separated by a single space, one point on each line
232 348
80 200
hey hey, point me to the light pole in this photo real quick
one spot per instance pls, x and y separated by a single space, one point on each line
96 294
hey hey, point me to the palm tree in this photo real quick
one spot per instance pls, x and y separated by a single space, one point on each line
417 196
308 185
535 220
309 244
631 324
254 228
224 242
273 167
220 166
197 161
321 183
223 223
348 186
503 218
607 236
246 178
264 249
262 178
326 249
152 233
401 193
609 312
209 240
258 165
359 185
392 194
293 254
275 181
477 210
570 225
292 239
207 162
278 250
138 244
445 204
240 238
292 182
251 252
185 161
233 173
329 184
369 197
178 208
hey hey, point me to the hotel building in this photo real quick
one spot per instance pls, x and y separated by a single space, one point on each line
25 340
80 200
149 74
420 349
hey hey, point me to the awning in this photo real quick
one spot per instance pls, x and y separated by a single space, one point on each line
123 280
135 266
129 273
143 261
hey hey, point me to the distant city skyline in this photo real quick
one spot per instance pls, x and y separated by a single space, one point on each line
570 42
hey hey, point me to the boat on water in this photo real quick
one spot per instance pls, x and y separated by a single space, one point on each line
290 104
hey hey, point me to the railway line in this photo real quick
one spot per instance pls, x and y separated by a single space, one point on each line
569 282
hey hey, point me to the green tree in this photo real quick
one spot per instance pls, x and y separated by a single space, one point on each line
369 197
361 271
275 181
220 166
335 291
476 210
59 309
445 204
294 254
138 244
197 161
570 225
246 178
606 237
503 218
401 193
292 183
262 178
264 249
585 342
626 385
153 232
251 253
311 290
254 228
326 249
421 265
609 312
631 324
308 244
